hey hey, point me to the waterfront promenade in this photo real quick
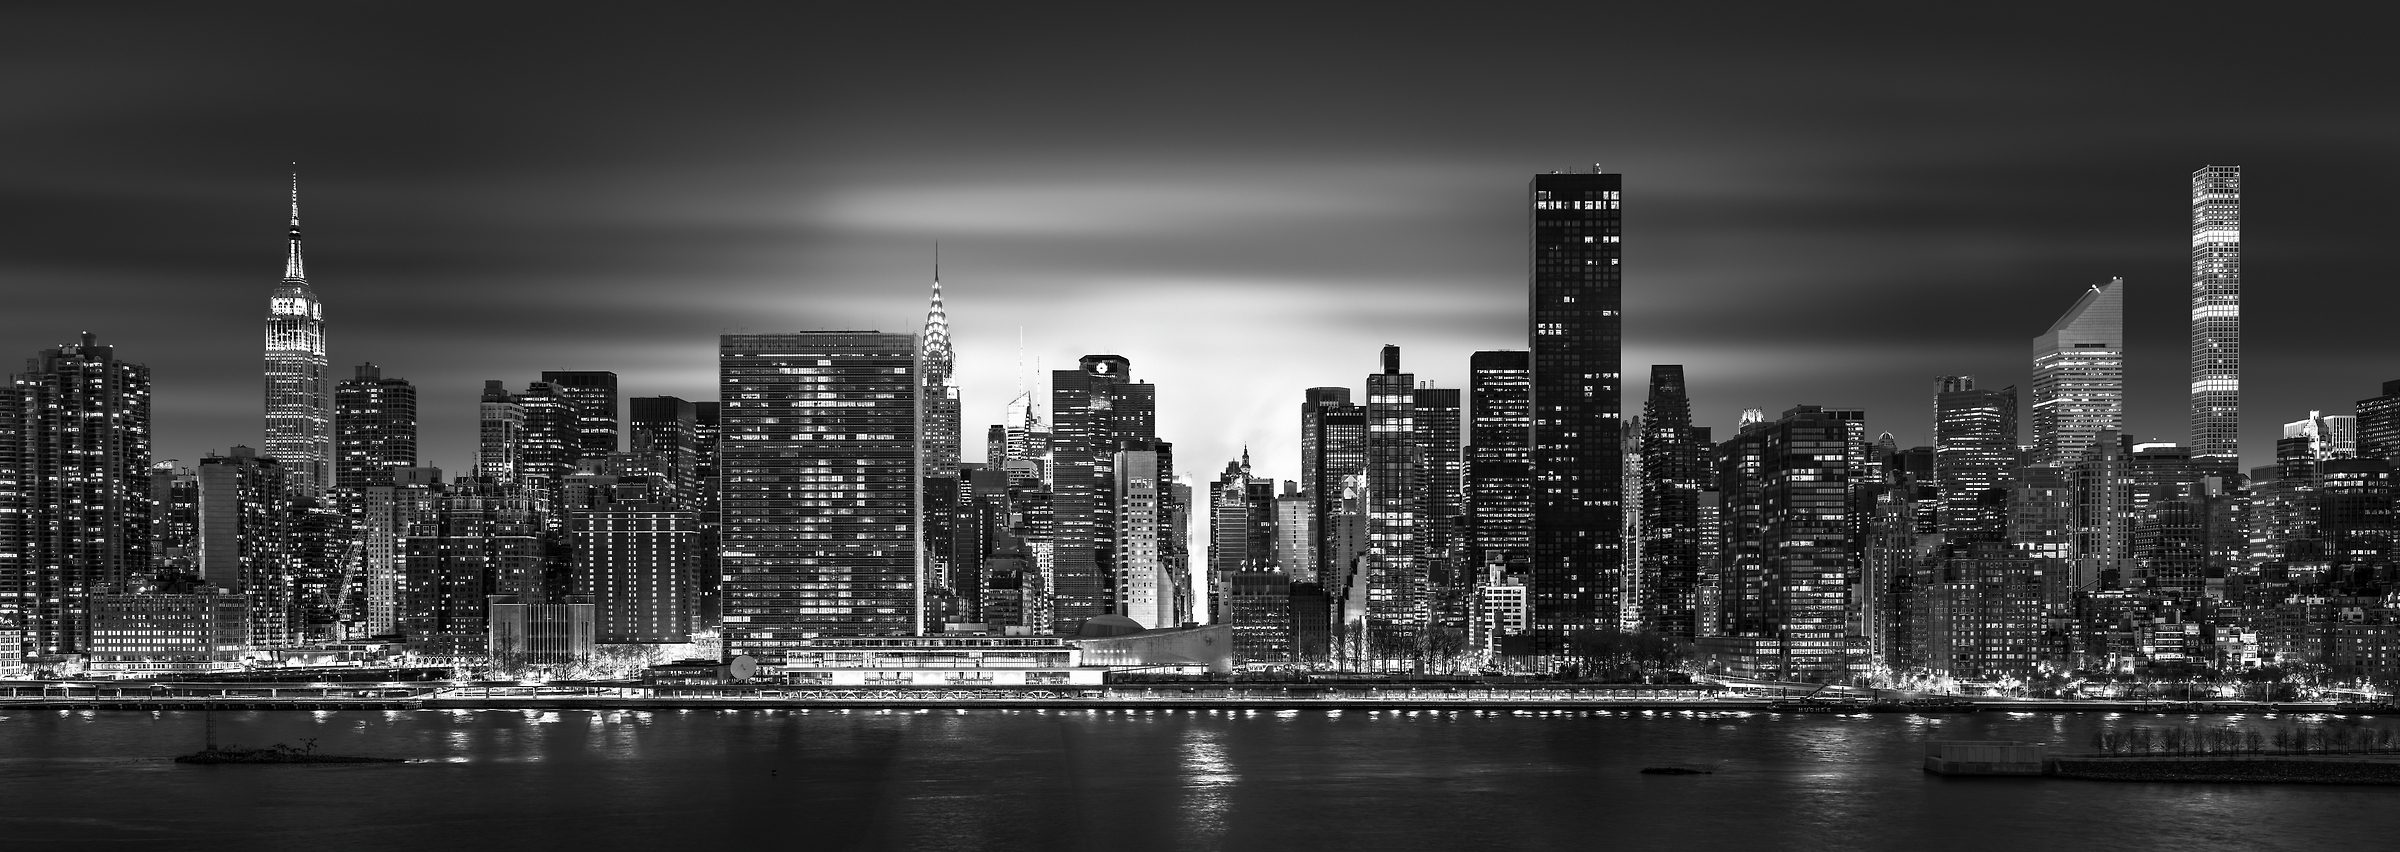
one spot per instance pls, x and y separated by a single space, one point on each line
180 696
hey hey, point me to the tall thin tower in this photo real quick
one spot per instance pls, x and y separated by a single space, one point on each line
939 388
1577 397
2217 316
299 414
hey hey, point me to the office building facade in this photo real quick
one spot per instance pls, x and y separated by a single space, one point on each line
2079 376
819 473
1576 320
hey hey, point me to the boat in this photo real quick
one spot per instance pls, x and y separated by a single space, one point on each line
1677 770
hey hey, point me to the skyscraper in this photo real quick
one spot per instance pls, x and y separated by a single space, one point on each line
820 478
665 430
374 427
1500 456
2217 316
1575 322
75 517
245 537
299 420
591 397
939 388
2379 424
1396 573
1674 461
1789 546
1094 410
500 448
2079 376
1975 447
1333 447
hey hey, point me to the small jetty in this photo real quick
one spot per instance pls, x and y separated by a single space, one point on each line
278 754
1677 770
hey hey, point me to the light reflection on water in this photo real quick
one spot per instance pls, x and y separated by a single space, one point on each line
984 779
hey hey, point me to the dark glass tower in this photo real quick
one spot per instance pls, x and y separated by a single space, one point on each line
1573 311
592 396
1674 461
1094 409
1396 578
820 488
374 428
1333 446
1500 456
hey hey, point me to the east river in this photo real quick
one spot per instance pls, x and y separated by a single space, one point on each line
1129 780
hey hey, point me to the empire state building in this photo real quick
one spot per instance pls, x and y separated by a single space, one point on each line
299 419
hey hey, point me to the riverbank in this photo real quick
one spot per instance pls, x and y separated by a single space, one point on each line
1118 698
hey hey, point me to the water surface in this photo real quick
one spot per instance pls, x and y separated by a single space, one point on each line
989 779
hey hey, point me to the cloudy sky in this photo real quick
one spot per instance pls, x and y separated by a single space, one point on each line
1823 206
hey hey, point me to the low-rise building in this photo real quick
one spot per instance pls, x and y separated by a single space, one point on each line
202 630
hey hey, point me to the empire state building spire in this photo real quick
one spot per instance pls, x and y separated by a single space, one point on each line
291 263
938 393
299 413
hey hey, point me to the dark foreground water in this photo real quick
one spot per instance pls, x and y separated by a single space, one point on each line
1303 780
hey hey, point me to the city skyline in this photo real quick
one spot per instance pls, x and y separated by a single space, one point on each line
449 262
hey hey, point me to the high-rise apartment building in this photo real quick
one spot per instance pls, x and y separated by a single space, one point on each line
2217 316
299 419
1975 451
245 545
1789 552
1500 456
1442 469
374 427
500 449
1674 465
1575 324
2079 376
74 492
1396 576
819 487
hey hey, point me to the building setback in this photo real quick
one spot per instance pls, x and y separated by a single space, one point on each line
299 420
1575 323
820 479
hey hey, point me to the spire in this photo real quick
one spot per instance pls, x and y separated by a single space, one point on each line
937 320
291 265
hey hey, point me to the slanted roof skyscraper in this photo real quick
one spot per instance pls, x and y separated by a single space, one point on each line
2079 376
